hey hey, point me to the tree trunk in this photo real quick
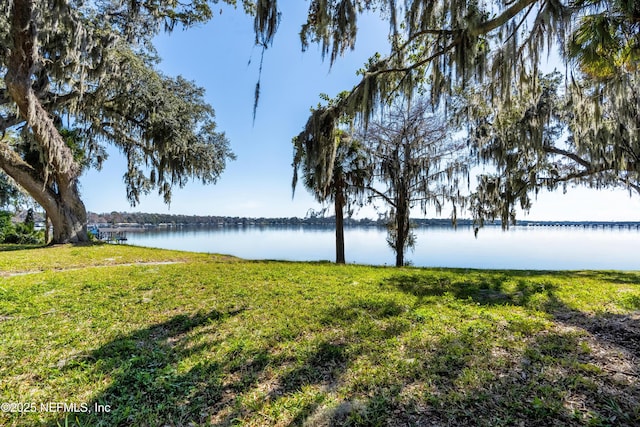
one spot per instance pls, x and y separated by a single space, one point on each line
339 207
69 217
400 257
402 229
46 228
400 239
56 187
61 201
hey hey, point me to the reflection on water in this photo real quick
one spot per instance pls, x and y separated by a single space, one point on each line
518 248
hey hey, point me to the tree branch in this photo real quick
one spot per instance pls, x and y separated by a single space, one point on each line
492 24
568 154
57 100
9 122
483 28
4 97
21 65
636 187
381 195
26 176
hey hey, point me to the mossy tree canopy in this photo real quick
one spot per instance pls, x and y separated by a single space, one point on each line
482 60
91 65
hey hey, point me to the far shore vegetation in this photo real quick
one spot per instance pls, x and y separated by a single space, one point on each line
313 218
106 335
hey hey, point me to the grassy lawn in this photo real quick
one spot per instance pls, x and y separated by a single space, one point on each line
153 338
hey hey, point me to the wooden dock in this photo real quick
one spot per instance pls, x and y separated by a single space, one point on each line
110 235
583 224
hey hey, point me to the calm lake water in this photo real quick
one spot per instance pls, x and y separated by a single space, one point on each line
541 248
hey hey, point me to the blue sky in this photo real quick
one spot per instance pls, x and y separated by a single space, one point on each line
221 57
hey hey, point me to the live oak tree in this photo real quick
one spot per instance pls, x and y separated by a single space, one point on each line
12 196
602 106
583 132
415 163
544 142
457 43
91 66
517 143
498 46
349 174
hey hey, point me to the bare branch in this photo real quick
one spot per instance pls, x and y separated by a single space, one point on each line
383 196
573 156
503 18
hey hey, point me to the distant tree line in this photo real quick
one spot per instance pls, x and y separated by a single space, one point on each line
154 219
200 220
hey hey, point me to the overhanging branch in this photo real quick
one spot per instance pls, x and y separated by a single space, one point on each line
381 195
26 176
555 150
497 22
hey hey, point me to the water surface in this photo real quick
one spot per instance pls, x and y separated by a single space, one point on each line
540 248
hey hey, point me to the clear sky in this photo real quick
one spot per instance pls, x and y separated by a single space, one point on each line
221 57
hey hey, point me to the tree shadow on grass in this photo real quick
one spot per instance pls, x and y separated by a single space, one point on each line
620 332
583 370
550 383
318 371
613 277
153 380
488 289
567 378
485 289
18 247
464 379
457 377
144 371
322 368
631 278
461 382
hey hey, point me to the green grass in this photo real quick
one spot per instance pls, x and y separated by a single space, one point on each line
174 338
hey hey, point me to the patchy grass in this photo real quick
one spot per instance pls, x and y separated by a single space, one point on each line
213 340
22 259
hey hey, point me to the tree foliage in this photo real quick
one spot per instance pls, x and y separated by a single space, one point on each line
496 48
517 142
415 163
345 185
607 39
93 64
12 197
549 138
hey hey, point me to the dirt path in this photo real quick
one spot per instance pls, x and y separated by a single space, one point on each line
131 264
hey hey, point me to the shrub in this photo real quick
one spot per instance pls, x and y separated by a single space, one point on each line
6 227
22 234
